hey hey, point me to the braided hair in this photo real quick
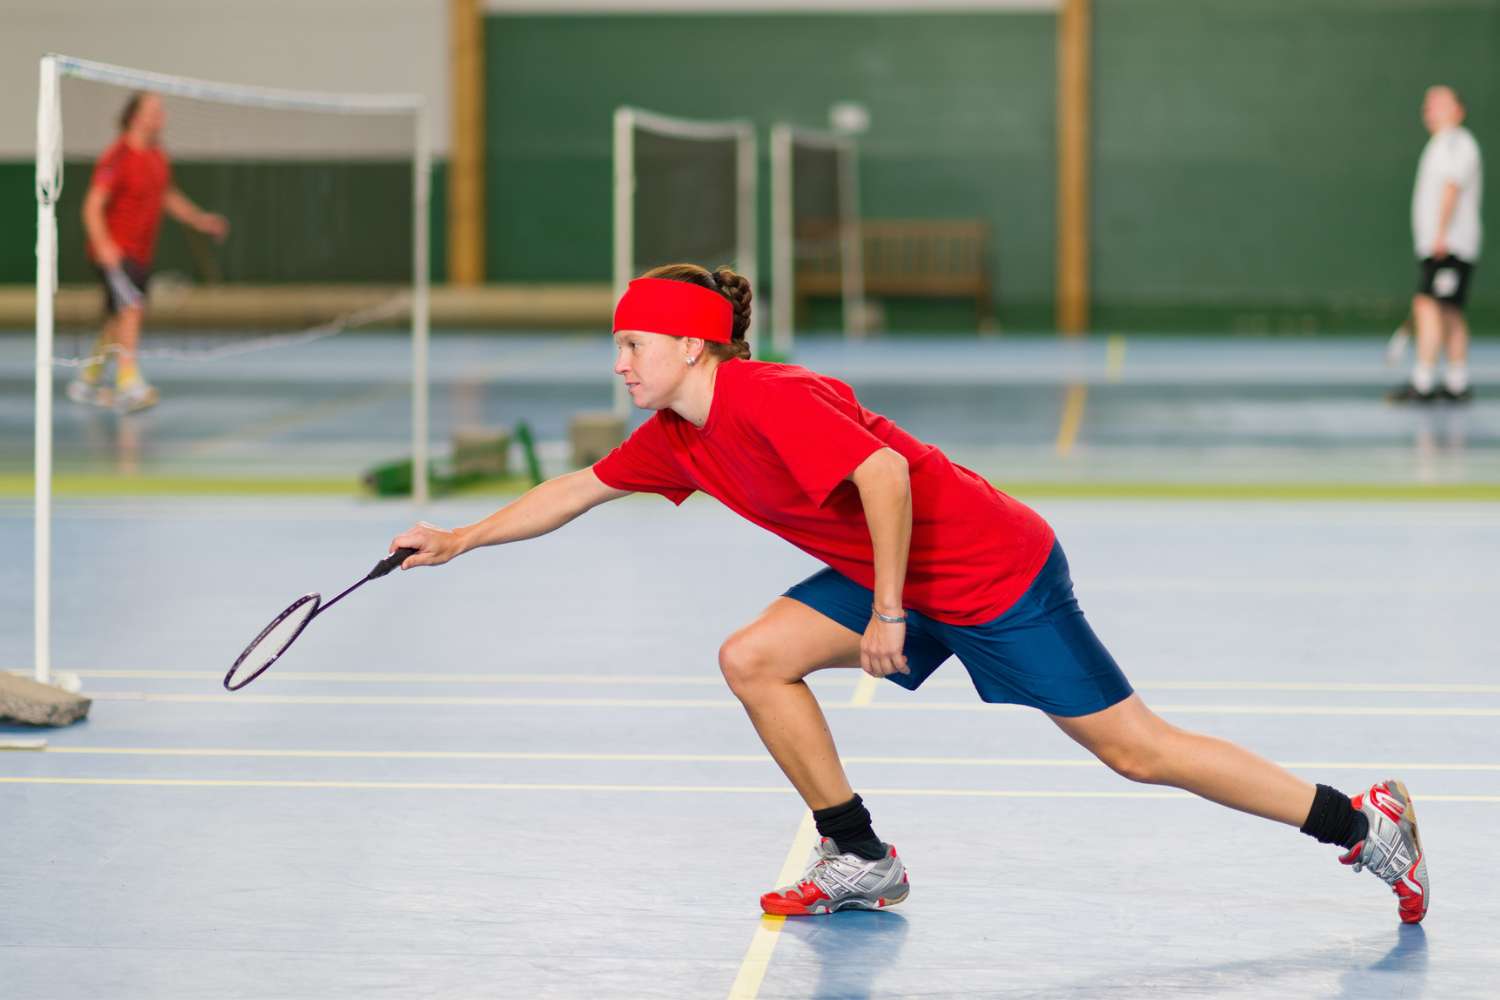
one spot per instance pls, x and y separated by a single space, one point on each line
734 287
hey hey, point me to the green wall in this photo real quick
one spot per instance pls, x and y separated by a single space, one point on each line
962 109
291 221
1253 162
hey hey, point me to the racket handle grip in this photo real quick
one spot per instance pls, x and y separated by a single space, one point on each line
390 562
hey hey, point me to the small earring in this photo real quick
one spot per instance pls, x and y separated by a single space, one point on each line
692 360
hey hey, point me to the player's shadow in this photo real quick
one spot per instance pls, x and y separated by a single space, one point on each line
1406 958
850 949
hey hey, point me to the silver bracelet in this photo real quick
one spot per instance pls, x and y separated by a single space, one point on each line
890 620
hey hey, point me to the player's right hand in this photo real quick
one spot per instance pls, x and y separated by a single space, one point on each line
434 545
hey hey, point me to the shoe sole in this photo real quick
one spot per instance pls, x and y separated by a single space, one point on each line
1410 815
881 903
138 405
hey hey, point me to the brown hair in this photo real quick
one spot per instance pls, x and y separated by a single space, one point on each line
734 287
128 113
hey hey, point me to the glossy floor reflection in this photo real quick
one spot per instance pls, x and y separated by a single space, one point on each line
1233 411
521 775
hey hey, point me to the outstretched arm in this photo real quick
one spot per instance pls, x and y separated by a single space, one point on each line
180 207
539 510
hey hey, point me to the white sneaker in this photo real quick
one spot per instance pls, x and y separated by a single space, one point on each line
90 393
1393 848
138 395
838 881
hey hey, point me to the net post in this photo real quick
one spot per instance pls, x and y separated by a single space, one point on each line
783 252
421 281
624 228
48 188
853 276
745 243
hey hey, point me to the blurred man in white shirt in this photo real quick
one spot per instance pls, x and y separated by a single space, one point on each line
1447 234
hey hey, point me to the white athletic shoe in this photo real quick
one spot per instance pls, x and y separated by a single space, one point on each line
837 881
138 395
1393 848
90 393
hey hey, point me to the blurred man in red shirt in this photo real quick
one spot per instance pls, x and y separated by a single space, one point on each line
131 187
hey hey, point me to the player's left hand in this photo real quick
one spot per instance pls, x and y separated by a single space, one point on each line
1439 248
213 224
881 649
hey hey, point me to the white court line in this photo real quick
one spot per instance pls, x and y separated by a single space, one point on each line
757 958
1405 711
714 680
707 758
496 786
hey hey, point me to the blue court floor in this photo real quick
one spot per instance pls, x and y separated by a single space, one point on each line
520 775
1237 411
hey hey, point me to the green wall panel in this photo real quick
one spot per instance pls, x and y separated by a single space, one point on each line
292 222
962 109
17 222
1253 162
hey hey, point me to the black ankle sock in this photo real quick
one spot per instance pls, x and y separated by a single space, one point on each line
1334 820
849 826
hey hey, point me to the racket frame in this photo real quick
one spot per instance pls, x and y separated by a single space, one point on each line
296 605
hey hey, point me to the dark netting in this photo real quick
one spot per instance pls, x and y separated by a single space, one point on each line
686 200
816 209
318 203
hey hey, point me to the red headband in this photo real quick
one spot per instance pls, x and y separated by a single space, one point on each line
675 308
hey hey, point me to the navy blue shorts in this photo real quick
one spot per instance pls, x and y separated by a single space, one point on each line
1041 652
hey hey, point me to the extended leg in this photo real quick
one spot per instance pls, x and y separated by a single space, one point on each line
1139 744
1456 377
1428 316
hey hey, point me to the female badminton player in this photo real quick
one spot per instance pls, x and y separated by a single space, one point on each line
925 560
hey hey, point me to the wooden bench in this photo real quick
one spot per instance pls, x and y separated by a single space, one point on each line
917 258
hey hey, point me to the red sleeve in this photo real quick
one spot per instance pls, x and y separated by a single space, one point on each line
644 463
107 171
817 435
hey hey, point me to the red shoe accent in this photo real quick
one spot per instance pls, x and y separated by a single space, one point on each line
1411 901
795 902
1353 855
1381 798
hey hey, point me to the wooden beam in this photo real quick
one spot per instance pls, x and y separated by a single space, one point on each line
466 218
1074 34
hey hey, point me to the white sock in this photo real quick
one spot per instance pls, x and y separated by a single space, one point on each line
1456 378
1423 378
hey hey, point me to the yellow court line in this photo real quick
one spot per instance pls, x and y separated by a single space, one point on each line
684 758
1407 711
1114 357
757 958
1072 418
494 786
864 690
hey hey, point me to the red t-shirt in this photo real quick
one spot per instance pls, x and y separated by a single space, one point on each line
776 448
135 181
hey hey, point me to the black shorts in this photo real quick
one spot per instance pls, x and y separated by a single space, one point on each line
115 299
1445 279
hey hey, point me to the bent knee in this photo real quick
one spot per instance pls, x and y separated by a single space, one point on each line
745 662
